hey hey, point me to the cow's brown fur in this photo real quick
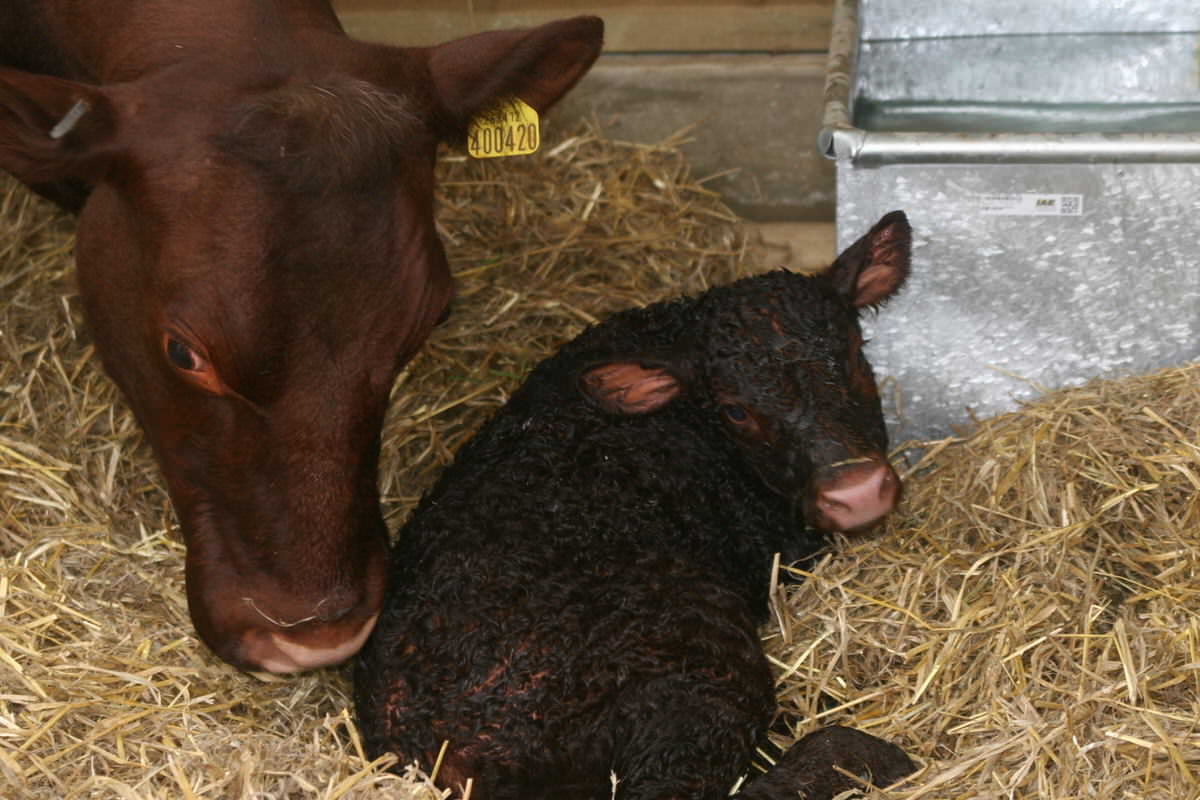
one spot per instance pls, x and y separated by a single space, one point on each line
257 259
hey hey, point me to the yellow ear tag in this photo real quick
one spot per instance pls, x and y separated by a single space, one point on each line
509 129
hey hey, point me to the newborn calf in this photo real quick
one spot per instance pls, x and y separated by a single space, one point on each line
576 600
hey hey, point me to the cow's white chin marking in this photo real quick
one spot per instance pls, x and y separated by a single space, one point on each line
289 656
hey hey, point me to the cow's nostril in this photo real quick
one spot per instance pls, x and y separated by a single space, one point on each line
334 611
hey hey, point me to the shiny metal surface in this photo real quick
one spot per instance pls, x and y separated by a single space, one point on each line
1098 69
1056 217
909 19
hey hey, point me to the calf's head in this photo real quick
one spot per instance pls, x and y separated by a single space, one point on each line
257 260
776 361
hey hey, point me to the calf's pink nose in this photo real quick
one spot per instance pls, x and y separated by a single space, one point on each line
857 495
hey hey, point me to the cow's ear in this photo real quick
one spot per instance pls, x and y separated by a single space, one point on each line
875 267
53 129
538 65
630 386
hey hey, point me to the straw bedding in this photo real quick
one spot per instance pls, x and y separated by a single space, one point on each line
1026 625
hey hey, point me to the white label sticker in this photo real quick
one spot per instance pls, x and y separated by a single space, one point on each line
1030 205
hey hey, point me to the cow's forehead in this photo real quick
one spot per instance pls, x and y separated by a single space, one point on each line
320 137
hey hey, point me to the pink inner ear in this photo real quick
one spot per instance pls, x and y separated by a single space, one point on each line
629 388
875 284
886 270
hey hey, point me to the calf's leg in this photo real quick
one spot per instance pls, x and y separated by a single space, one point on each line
812 768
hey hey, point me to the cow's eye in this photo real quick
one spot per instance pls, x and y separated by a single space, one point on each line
182 356
191 363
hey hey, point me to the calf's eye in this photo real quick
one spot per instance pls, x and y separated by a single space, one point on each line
734 413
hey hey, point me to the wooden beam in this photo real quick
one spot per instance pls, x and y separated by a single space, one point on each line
666 26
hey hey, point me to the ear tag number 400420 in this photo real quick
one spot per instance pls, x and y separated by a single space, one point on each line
509 129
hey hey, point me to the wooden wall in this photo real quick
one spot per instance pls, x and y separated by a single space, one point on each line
749 74
654 26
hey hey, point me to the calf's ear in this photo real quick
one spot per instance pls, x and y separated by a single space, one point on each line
538 65
53 129
875 267
629 386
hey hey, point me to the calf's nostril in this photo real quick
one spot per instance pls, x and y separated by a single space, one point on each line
827 503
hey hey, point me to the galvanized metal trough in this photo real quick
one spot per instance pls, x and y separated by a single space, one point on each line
1048 157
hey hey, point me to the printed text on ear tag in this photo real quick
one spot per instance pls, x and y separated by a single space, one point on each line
509 129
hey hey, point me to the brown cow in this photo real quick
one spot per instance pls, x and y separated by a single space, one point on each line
257 259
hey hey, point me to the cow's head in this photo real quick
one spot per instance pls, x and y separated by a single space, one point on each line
257 260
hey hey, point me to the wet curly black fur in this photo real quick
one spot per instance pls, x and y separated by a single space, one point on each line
577 598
